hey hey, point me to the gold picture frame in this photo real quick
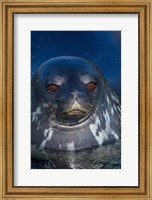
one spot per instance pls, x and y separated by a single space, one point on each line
144 11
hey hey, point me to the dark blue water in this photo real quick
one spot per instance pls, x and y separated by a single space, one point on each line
101 47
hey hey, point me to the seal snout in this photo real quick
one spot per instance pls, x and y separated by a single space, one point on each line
75 106
73 113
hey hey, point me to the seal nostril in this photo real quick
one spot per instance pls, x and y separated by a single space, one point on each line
71 95
58 99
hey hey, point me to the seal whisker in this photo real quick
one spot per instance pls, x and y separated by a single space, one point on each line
48 111
45 116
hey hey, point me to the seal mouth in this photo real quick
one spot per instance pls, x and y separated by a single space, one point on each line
75 112
73 117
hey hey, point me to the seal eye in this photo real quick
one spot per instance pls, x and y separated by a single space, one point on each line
53 87
91 86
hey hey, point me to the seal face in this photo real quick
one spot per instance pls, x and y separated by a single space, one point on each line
73 106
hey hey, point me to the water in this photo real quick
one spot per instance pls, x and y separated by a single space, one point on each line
102 157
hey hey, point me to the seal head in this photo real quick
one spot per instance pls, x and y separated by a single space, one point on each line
73 106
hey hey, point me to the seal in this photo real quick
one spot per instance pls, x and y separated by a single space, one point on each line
73 106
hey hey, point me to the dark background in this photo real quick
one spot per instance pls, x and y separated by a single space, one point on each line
101 47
